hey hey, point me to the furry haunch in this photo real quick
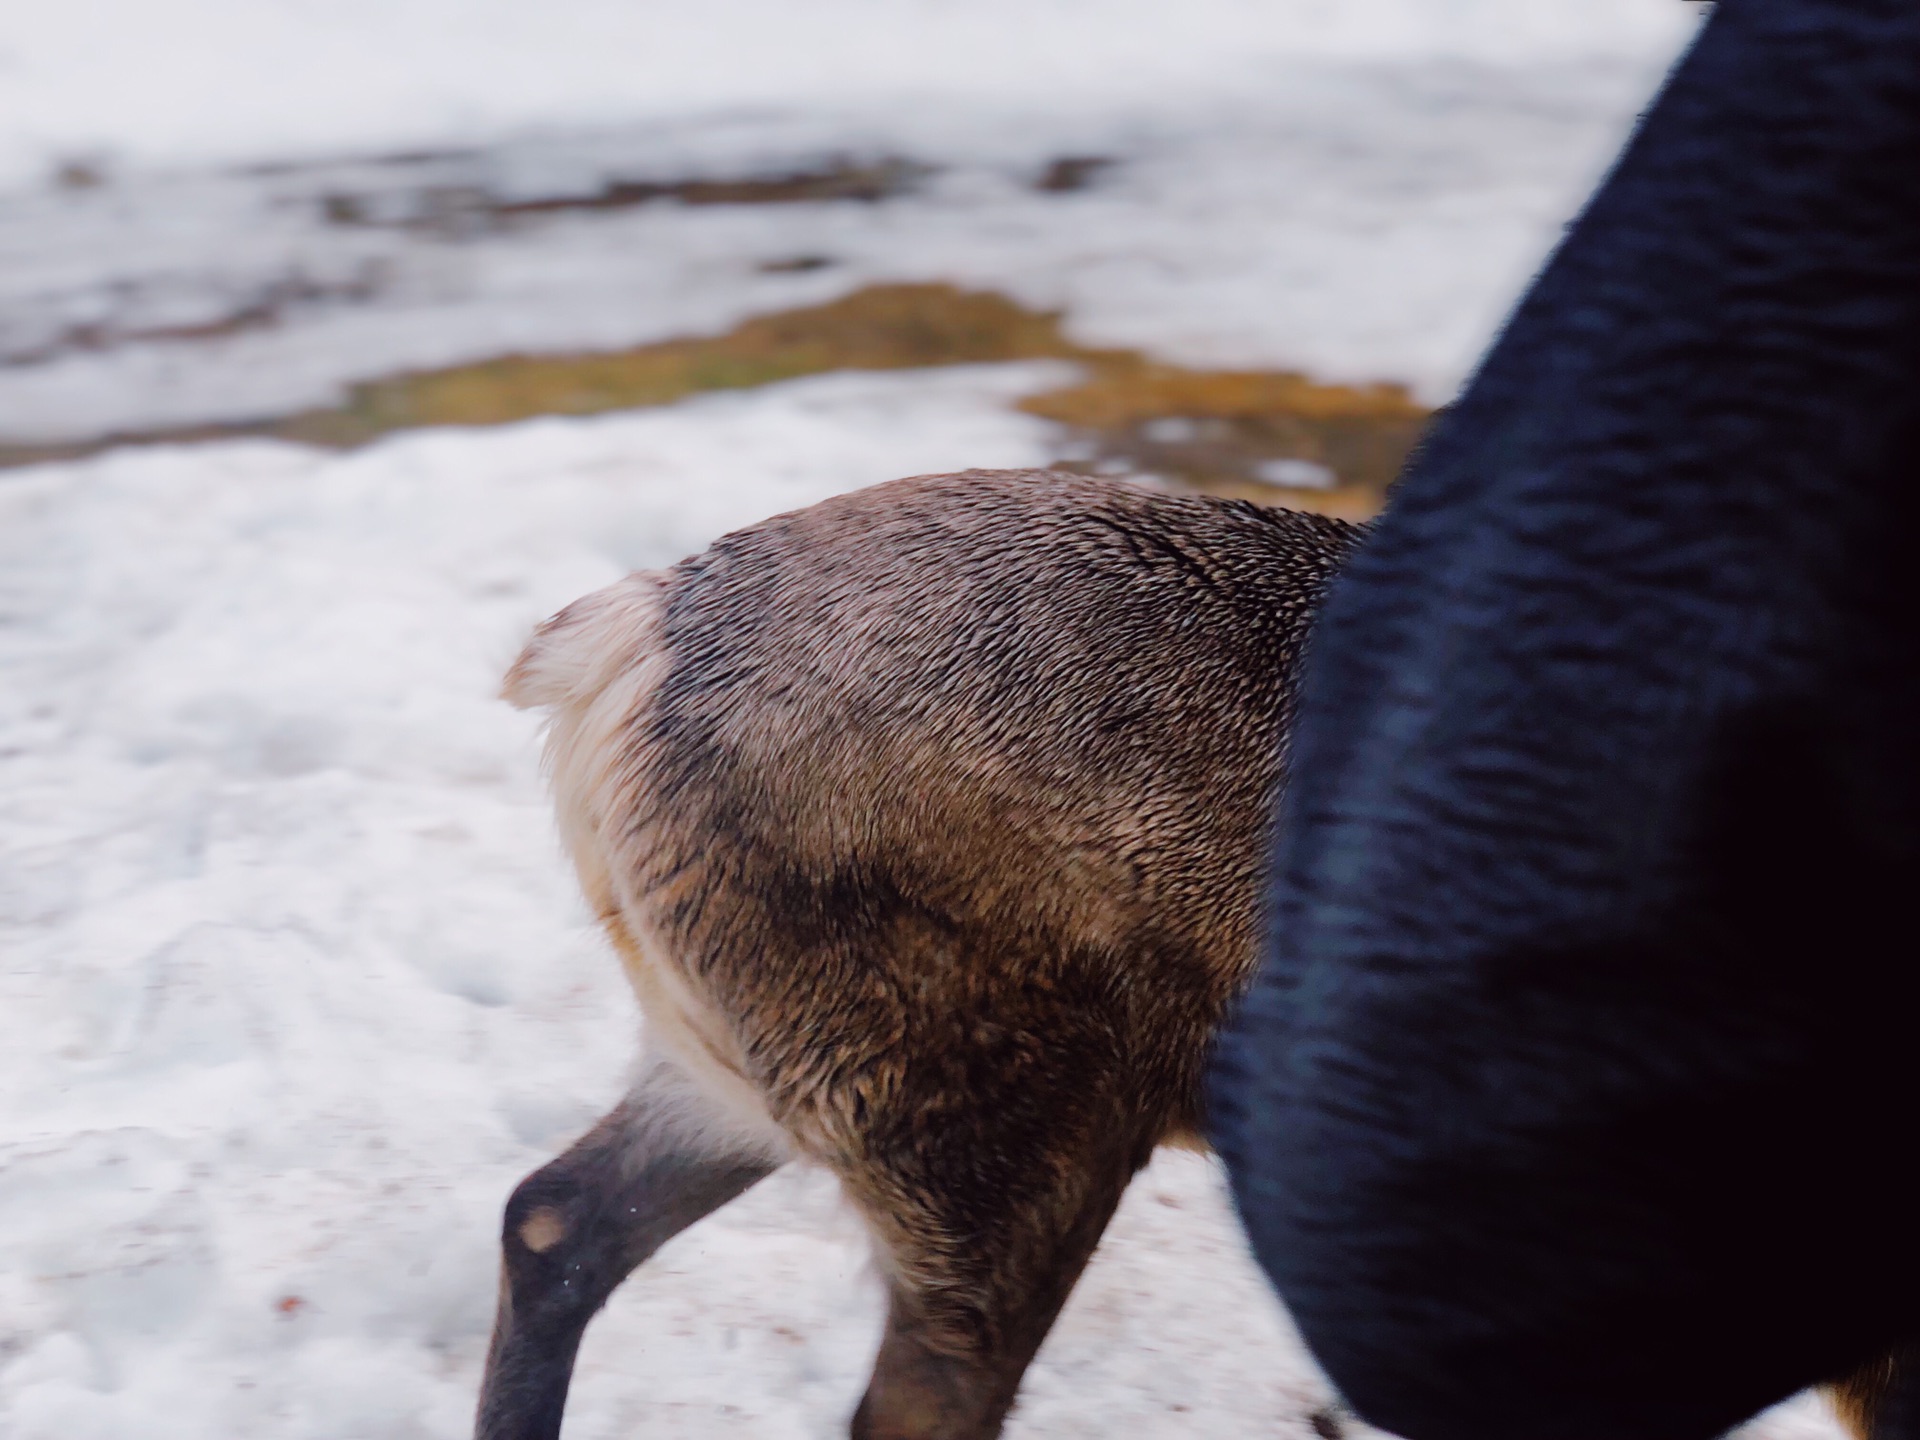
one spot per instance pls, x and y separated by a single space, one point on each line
930 824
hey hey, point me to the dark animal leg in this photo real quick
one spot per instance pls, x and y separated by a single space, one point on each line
576 1228
961 1334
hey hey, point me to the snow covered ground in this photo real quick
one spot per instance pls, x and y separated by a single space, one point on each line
230 81
293 984
1359 222
1356 189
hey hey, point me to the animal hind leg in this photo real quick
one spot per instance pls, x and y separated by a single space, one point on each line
577 1227
971 1303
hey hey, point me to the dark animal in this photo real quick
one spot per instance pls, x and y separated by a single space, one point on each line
931 824
1576 1101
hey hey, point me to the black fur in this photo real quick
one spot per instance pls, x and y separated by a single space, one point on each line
1573 1102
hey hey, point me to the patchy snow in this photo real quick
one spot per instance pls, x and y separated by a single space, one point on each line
1353 189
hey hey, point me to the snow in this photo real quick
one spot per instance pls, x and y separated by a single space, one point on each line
235 80
1357 190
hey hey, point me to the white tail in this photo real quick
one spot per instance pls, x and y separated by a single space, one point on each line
576 653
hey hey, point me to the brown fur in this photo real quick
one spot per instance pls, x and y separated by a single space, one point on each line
1856 1397
1876 1401
930 824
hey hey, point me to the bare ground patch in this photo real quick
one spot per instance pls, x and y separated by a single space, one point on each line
459 209
1271 436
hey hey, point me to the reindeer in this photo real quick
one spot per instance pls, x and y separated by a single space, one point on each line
930 825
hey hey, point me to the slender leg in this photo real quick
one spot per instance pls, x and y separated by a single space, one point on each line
576 1228
962 1332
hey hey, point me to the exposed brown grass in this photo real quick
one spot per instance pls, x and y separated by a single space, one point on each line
884 327
1211 429
1219 430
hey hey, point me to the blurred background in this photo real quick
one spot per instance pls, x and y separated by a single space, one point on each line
341 340
1265 233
